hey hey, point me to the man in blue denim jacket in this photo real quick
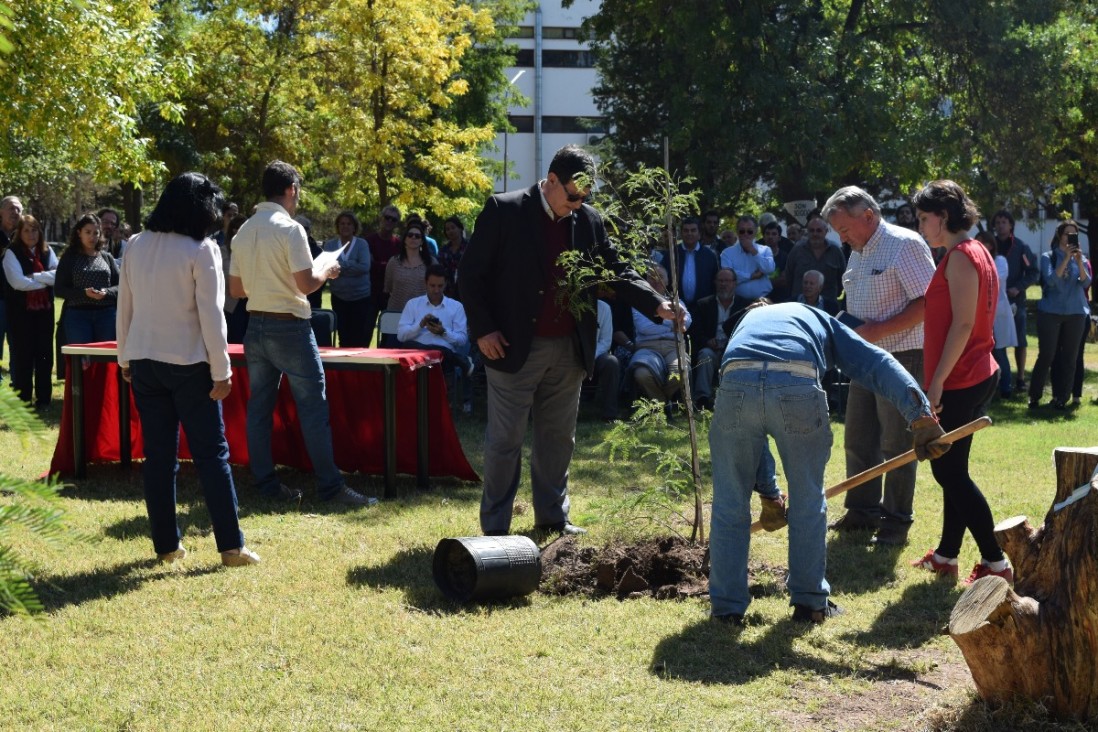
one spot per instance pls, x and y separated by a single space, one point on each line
771 386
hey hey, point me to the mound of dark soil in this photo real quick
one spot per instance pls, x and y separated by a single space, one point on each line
669 567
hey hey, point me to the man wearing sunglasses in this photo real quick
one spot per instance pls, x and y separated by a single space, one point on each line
752 262
537 351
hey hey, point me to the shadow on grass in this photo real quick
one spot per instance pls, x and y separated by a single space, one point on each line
916 617
854 566
1018 411
711 653
410 570
57 593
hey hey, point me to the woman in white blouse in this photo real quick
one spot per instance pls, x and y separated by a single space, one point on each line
29 267
172 347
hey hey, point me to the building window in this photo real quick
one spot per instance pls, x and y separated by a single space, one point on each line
521 123
554 33
567 125
556 59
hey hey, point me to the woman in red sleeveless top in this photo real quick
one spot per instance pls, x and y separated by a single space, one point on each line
961 374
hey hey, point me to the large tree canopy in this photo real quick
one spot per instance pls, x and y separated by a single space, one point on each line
360 94
787 99
75 82
375 101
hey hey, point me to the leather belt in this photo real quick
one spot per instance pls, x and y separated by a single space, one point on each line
797 368
274 316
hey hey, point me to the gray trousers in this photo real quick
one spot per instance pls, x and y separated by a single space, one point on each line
875 432
546 388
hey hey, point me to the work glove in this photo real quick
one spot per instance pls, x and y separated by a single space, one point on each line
927 443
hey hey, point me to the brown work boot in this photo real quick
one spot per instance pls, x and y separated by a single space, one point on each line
772 517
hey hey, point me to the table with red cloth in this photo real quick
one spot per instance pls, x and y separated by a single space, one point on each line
388 412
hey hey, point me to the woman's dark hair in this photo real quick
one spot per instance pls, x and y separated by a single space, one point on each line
74 236
988 240
947 199
190 205
27 220
1060 230
348 215
456 222
424 247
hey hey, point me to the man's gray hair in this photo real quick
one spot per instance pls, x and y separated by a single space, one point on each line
814 274
851 199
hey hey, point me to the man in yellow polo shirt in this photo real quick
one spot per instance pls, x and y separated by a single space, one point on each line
273 267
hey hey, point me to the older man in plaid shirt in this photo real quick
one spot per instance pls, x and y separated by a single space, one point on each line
886 278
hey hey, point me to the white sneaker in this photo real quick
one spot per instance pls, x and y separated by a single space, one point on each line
241 557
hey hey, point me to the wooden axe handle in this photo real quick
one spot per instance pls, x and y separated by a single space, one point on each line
867 475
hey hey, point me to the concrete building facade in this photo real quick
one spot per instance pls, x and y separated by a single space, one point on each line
555 71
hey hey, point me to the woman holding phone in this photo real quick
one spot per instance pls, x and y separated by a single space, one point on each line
1062 314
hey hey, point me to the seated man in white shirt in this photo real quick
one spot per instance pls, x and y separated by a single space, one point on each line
434 322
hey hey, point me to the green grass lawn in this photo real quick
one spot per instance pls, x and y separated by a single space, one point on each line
341 626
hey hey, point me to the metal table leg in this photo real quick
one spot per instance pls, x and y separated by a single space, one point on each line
76 373
423 426
389 404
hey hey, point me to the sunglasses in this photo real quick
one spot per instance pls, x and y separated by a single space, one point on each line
747 231
413 235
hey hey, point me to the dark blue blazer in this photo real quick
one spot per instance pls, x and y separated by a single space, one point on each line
706 265
502 272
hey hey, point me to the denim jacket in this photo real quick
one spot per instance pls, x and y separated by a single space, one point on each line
798 332
1065 295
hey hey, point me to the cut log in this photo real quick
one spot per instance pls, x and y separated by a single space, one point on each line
1040 640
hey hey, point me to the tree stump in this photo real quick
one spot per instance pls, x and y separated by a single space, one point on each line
1040 639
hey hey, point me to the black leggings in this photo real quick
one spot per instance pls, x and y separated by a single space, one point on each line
965 505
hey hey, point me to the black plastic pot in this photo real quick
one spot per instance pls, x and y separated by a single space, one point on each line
487 567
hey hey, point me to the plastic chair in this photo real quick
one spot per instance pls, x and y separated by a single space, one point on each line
324 323
387 321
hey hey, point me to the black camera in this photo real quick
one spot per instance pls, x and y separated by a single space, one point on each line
1073 241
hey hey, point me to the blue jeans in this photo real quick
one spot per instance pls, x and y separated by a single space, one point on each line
1006 381
791 409
167 395
89 325
274 347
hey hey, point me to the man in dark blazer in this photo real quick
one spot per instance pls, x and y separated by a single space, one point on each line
709 333
536 350
696 265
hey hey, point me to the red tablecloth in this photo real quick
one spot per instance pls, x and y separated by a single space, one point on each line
354 396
